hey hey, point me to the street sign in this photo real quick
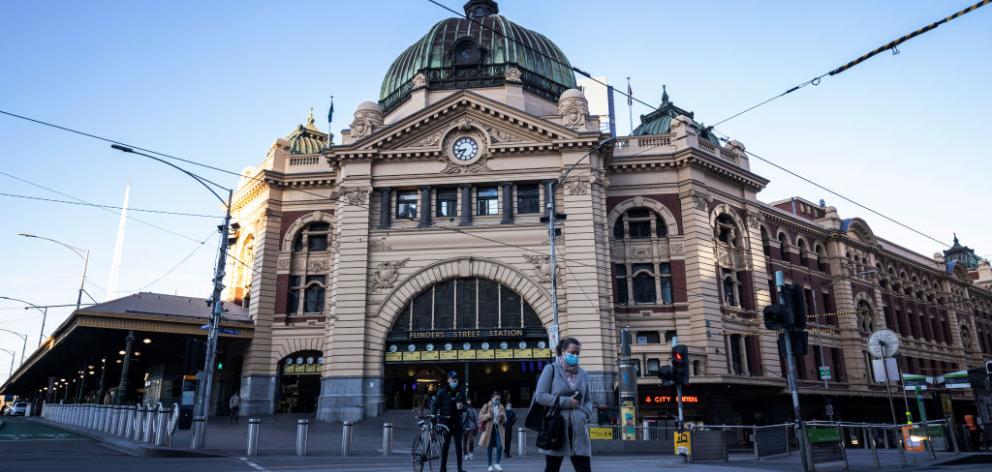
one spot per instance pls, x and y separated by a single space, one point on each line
885 370
683 446
913 381
825 372
604 434
955 380
553 336
206 326
229 331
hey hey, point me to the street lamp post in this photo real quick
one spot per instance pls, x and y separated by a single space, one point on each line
201 404
24 341
84 254
42 309
13 354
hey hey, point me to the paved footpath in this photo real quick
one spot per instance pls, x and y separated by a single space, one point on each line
30 445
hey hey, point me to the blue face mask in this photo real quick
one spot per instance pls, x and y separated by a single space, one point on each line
453 383
571 359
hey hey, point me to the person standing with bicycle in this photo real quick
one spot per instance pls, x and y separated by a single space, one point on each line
448 405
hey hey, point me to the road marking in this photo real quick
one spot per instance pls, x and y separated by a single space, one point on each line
252 464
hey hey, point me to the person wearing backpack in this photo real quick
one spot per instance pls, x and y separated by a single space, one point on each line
566 385
471 426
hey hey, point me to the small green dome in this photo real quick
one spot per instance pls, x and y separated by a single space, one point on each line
659 121
307 139
457 53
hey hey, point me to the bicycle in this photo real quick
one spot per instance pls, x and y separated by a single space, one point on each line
427 445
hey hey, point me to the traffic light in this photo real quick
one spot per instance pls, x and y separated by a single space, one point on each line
777 316
680 364
800 343
796 300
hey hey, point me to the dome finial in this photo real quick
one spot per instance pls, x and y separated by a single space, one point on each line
310 120
480 8
664 95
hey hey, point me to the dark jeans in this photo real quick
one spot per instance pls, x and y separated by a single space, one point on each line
509 440
455 435
579 463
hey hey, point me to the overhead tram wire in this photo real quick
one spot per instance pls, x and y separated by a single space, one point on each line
174 267
891 45
142 210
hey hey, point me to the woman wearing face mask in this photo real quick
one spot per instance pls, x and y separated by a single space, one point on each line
564 382
493 418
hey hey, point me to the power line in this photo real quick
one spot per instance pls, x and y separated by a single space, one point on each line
173 269
891 45
143 210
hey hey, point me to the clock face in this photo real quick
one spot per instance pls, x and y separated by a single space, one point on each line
465 149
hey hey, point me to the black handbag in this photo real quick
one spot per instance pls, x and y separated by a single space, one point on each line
547 422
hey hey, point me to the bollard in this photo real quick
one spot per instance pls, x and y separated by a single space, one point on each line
160 426
146 433
302 435
254 429
139 418
198 432
646 435
127 423
954 438
346 429
101 418
521 442
865 431
387 439
874 449
788 441
754 440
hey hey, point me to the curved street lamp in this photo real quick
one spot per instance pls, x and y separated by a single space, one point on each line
24 340
42 309
12 355
200 405
83 254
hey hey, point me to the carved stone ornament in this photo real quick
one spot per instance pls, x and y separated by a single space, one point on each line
723 257
283 262
431 140
497 135
355 196
367 120
701 199
385 275
513 74
317 265
677 249
419 81
573 111
598 177
378 244
542 267
576 186
753 218
479 167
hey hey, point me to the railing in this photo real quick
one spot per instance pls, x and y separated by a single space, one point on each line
142 423
304 161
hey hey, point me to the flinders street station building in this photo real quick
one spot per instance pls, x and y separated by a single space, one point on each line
367 265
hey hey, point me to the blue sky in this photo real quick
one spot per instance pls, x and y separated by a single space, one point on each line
219 81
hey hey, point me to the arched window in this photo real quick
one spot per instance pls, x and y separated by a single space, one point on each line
801 244
783 243
640 223
313 237
725 230
766 244
466 303
308 289
730 290
643 281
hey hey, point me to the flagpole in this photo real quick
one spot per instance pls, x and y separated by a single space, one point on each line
330 116
630 105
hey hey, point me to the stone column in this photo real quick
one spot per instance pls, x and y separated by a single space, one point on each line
466 196
385 208
425 206
258 373
507 203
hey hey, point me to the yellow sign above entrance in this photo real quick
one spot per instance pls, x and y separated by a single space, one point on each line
447 355
429 356
504 353
466 354
411 356
471 354
394 356
486 354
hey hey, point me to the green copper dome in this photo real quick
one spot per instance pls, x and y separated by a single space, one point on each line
307 139
659 121
458 53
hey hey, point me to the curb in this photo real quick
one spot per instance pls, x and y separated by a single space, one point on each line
126 446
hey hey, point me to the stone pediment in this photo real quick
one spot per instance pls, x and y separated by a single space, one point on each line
502 128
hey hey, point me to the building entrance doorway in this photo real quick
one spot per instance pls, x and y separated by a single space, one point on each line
479 328
299 382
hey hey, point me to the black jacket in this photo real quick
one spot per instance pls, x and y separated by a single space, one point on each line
445 404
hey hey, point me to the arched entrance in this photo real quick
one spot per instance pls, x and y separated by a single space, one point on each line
299 382
477 327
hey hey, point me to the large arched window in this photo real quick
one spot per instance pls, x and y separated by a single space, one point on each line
313 237
640 223
308 289
783 243
466 303
729 288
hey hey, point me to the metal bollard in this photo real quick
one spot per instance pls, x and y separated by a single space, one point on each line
874 449
788 441
254 429
139 418
101 418
346 429
198 432
160 426
387 439
954 438
302 436
521 442
646 428
126 424
146 430
865 431
754 441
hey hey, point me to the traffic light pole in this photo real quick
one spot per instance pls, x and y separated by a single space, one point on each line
793 389
678 391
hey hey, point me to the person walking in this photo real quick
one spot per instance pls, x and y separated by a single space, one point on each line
511 420
493 418
565 383
471 427
448 405
234 405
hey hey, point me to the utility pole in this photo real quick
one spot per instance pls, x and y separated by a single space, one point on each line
552 215
628 388
793 389
122 386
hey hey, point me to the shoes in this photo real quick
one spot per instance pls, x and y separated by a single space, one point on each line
491 469
498 467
